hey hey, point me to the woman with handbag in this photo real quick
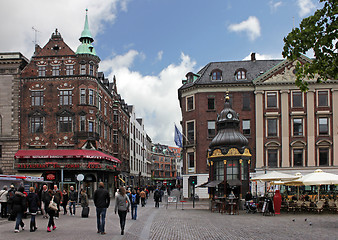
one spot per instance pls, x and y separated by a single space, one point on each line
51 208
122 205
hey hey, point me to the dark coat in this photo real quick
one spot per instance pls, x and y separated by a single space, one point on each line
137 199
33 202
65 199
19 203
48 198
84 200
72 196
101 198
157 196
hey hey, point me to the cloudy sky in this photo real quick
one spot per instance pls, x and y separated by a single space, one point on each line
149 45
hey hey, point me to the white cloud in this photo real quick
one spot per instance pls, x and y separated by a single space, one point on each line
306 6
154 96
251 26
274 5
18 18
159 55
264 56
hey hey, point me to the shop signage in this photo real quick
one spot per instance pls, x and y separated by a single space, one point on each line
50 176
94 165
38 165
72 165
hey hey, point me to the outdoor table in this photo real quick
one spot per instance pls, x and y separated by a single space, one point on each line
232 205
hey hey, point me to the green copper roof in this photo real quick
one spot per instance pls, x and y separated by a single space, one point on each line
86 40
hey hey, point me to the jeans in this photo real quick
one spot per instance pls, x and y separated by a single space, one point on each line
134 211
122 215
51 214
101 218
19 220
4 209
70 208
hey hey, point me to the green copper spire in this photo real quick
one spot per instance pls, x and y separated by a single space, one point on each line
86 40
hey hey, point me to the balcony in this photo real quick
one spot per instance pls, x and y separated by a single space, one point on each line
94 136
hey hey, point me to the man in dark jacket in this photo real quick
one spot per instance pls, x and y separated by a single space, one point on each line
19 206
72 200
101 201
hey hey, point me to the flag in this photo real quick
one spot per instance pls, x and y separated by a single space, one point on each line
178 137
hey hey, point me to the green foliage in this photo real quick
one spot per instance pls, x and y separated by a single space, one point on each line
319 33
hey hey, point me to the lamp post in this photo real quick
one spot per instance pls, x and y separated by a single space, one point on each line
61 187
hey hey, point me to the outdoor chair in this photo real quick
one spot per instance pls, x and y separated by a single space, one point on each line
308 206
319 206
332 206
292 206
299 205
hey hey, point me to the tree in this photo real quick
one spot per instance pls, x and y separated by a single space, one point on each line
319 33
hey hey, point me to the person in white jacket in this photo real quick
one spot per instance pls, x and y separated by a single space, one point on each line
3 201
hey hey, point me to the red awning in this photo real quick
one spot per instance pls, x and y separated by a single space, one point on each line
65 153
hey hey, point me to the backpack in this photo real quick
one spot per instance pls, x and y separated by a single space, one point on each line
133 198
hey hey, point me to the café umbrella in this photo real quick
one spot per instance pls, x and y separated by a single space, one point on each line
275 176
318 177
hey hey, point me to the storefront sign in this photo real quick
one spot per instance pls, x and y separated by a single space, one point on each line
38 165
50 176
94 165
71 165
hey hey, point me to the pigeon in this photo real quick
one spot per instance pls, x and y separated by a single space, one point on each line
305 219
310 223
293 220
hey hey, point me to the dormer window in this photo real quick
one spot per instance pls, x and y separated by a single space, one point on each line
240 74
216 75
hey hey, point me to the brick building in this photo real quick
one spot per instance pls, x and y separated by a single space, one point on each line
288 130
72 120
11 65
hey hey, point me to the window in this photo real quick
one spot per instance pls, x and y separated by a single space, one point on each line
211 103
65 124
91 70
191 132
42 71
323 99
323 126
100 103
219 170
272 127
99 128
116 117
246 127
298 157
297 127
69 70
82 69
105 109
297 100
241 74
82 123
115 137
246 101
211 129
90 126
272 157
216 75
323 156
65 97
190 103
36 124
91 97
271 98
191 160
83 96
37 98
232 169
105 132
55 70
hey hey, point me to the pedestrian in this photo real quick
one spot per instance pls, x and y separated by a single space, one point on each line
44 194
72 200
134 200
143 196
19 206
84 203
101 201
58 199
51 213
157 198
122 204
3 201
64 203
11 194
33 205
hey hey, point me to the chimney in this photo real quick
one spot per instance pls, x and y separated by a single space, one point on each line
253 57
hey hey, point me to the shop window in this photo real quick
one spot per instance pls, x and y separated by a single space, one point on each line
232 169
323 156
219 170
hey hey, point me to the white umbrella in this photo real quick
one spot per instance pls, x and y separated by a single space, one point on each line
319 177
275 176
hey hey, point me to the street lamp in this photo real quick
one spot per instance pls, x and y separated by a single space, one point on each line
61 187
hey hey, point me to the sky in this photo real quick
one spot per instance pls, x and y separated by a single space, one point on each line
150 45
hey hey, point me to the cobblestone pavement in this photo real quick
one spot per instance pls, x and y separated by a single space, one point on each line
191 223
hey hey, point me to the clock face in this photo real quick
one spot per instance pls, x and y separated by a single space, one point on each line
229 115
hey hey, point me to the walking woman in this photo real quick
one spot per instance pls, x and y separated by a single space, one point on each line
19 207
50 212
84 204
33 202
122 204
64 201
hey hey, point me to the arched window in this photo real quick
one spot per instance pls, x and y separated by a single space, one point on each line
216 74
240 74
